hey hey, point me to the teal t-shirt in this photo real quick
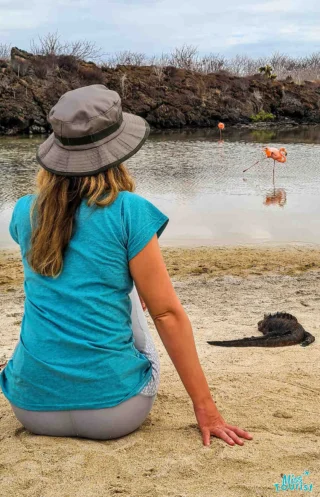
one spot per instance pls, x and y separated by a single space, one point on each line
76 348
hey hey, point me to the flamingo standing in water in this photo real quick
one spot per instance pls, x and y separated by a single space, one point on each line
221 127
279 155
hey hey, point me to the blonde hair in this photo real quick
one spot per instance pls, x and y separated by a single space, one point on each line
53 212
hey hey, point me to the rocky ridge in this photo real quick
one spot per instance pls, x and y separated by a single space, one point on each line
166 97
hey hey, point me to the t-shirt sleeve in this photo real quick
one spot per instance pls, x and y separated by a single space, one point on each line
141 221
13 227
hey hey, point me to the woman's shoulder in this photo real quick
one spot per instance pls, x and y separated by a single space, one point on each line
132 199
24 202
129 196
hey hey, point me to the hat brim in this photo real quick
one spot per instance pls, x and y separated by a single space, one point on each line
98 157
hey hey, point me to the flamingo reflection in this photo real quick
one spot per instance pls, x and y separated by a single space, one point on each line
277 196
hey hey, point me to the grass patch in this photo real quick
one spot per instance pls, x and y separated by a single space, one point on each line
239 261
262 116
210 261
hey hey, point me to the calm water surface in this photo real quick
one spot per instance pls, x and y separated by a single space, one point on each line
198 182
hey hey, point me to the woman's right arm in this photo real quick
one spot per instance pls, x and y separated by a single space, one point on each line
154 285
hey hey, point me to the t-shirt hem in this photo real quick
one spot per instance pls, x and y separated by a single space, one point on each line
77 407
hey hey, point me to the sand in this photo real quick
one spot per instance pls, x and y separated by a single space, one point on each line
273 393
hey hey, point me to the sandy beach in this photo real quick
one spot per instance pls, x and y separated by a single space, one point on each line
273 393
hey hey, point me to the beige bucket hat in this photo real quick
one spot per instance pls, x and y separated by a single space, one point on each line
90 133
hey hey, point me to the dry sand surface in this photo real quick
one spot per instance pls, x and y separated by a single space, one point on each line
273 393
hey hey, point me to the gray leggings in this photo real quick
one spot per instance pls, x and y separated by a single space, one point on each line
111 422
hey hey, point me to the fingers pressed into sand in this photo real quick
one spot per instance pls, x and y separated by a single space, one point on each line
206 437
240 432
234 436
224 436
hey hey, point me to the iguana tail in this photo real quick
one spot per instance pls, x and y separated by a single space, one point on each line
264 341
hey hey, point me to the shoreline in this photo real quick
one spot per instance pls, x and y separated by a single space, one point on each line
208 261
263 125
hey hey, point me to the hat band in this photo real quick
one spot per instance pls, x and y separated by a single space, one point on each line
86 140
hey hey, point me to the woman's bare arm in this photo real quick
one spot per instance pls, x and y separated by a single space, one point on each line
154 285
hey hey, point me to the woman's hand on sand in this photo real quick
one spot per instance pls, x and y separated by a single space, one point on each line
211 422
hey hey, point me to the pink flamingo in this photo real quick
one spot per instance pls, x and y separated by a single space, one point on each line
279 155
221 127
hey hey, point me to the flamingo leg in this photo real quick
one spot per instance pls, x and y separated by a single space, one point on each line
258 161
274 165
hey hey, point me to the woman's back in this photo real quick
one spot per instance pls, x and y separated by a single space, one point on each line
89 237
76 348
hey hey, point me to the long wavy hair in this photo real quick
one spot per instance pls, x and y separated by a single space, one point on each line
53 212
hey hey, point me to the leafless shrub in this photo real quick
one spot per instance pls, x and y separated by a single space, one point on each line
50 44
123 79
298 69
185 57
242 65
126 58
210 63
281 64
284 66
84 50
162 60
159 72
5 50
159 64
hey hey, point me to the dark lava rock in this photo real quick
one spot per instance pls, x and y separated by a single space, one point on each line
170 98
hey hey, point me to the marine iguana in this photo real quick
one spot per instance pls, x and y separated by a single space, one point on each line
279 329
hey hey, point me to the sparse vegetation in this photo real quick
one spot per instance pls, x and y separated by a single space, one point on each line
267 71
67 62
51 45
173 90
262 116
278 65
126 58
5 51
40 68
90 73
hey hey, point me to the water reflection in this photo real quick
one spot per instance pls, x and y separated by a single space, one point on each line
198 181
18 169
288 134
277 196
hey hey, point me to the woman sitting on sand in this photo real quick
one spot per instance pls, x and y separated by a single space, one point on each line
85 364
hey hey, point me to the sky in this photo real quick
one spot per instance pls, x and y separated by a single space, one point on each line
247 27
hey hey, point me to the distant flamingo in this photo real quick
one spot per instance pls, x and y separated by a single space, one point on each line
279 155
221 127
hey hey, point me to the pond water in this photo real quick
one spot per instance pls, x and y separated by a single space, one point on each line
197 180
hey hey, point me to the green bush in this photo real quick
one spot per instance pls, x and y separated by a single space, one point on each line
262 116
